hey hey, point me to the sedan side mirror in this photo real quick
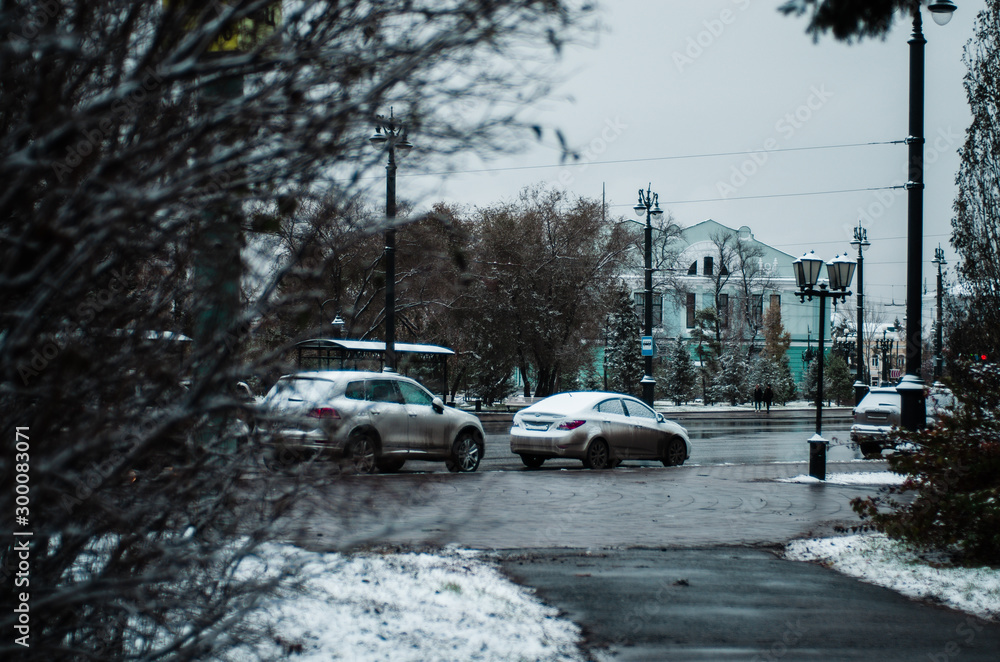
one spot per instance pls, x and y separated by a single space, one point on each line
660 419
437 405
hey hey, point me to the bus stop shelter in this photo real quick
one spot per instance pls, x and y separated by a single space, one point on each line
425 363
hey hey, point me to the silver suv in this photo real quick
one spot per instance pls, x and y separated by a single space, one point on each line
878 414
376 420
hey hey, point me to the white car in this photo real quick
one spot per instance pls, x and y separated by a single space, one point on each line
601 429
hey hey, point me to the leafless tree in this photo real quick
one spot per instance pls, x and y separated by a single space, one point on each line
143 145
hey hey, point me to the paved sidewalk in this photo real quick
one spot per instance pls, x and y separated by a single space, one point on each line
721 604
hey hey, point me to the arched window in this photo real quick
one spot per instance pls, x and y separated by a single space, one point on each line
693 269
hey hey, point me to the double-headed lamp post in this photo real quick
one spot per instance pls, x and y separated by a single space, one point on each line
649 207
911 388
861 243
840 272
390 137
938 359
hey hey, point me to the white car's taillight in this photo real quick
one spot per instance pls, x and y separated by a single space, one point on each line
324 412
570 425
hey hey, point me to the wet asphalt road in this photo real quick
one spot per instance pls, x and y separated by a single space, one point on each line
714 441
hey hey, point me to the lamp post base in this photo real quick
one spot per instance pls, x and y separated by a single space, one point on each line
913 414
817 457
648 388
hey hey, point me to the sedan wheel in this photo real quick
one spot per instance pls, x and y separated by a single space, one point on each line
532 461
466 453
598 455
675 453
361 452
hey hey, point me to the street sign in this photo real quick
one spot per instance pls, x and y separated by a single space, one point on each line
648 347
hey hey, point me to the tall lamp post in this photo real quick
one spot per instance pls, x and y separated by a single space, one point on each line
861 243
840 272
938 359
391 137
911 388
649 207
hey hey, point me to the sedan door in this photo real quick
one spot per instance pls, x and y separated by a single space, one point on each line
646 431
388 413
616 427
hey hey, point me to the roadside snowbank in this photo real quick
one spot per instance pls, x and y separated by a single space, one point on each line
879 560
445 606
859 478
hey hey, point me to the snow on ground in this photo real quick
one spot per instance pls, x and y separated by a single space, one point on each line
859 478
445 606
879 560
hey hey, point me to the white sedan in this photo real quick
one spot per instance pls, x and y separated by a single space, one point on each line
601 429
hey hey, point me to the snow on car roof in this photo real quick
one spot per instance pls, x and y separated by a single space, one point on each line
573 401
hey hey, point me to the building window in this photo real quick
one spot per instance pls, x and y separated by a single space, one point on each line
723 311
690 310
709 267
775 304
640 307
757 309
693 269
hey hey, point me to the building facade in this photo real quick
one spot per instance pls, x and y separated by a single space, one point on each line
751 278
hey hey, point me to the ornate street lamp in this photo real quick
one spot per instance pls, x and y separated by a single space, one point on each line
808 355
338 321
649 207
911 388
885 346
938 359
861 243
390 137
840 272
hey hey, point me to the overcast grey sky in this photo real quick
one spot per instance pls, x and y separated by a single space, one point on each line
668 81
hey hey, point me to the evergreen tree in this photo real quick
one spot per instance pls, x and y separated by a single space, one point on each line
731 381
838 383
623 356
976 221
680 376
766 370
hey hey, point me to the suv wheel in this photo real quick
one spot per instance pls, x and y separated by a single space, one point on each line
466 453
361 452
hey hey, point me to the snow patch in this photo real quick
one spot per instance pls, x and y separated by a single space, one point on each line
879 560
446 606
858 478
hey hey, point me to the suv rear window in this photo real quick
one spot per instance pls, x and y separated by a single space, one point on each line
301 389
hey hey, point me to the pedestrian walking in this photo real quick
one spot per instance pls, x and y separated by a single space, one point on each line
758 397
768 397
